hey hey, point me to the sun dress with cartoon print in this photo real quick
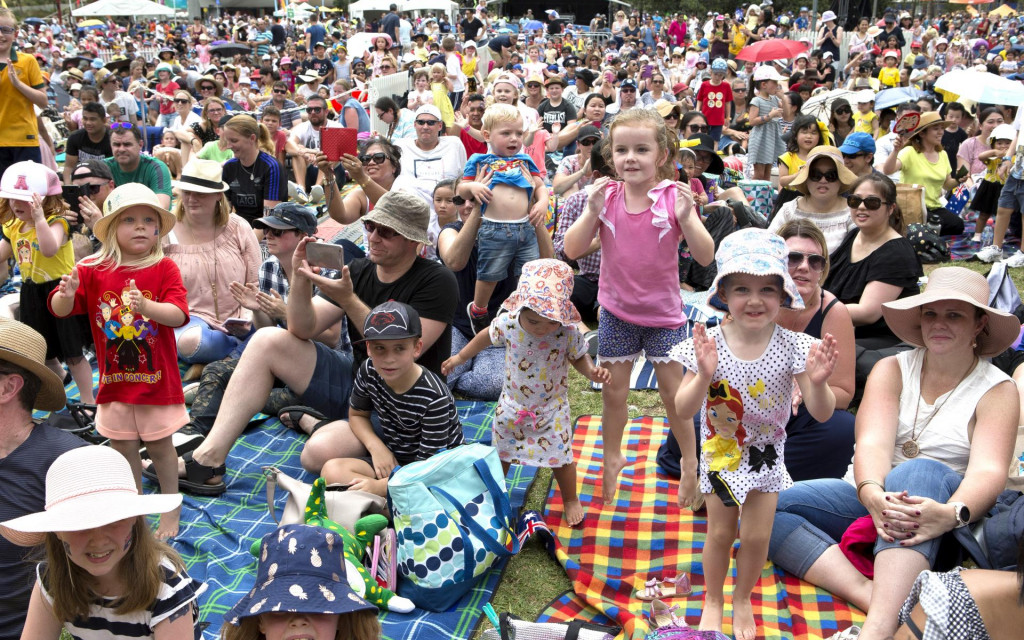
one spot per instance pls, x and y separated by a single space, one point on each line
532 425
743 418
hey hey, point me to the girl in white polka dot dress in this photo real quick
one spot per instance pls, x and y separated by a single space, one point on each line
740 376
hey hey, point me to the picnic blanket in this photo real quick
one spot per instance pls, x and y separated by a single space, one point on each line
643 534
963 248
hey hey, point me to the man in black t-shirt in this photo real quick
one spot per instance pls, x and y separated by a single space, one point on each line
320 64
321 376
389 23
277 34
470 26
89 142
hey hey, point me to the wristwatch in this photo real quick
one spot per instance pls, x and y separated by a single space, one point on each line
962 513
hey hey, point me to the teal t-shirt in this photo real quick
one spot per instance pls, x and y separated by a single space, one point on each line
151 172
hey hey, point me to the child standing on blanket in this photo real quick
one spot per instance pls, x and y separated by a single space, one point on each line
740 376
134 296
301 592
532 425
105 575
641 221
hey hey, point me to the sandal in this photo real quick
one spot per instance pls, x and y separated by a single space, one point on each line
295 413
662 616
665 588
196 475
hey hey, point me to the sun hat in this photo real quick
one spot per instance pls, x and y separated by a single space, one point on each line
283 61
903 316
828 15
288 215
664 107
467 44
858 142
391 320
301 570
535 77
704 142
428 110
201 176
719 64
76 73
308 77
545 286
86 488
890 53
929 119
510 79
24 179
846 177
163 66
767 72
559 80
758 252
406 213
1002 132
25 347
128 195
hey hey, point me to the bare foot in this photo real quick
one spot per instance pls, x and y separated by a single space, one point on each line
610 477
711 616
572 511
743 625
168 527
305 425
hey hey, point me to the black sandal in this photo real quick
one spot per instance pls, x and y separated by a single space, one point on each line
196 475
295 413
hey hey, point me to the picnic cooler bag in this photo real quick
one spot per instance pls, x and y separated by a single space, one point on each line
453 521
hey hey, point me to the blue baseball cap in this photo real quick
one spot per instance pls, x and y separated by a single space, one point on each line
858 142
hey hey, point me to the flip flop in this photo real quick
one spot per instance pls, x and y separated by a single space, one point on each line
196 475
295 413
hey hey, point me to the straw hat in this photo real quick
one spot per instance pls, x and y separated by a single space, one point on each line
929 119
131 195
86 488
953 283
545 286
846 177
25 347
202 176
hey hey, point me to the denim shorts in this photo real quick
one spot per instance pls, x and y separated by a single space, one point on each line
1012 195
331 385
621 341
500 244
213 345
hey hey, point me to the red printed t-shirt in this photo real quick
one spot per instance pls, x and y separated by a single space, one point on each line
472 144
167 104
712 100
138 358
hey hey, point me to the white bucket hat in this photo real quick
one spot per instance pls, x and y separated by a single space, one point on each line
757 252
86 488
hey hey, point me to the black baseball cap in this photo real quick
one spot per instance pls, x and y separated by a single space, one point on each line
288 215
92 168
391 320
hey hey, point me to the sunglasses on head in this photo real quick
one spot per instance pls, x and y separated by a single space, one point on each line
871 203
814 261
376 158
699 128
314 109
426 123
120 125
458 201
831 175
385 233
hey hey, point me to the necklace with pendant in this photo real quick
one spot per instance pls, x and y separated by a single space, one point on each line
910 448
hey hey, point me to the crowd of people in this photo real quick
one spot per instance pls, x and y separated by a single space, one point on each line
531 199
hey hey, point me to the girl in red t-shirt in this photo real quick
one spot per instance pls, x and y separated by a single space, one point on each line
134 297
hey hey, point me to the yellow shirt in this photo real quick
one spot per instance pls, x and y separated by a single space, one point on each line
739 40
918 170
862 121
793 162
18 114
33 264
889 76
992 171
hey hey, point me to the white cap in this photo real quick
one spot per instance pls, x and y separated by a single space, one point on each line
766 72
467 44
1002 132
24 179
429 110
76 86
864 95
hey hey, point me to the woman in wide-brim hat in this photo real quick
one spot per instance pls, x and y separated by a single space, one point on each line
24 347
823 182
935 433
921 162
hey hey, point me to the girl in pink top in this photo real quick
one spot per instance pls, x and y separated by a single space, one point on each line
641 221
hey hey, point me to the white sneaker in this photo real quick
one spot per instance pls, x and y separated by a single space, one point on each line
316 194
848 634
190 390
1016 260
991 253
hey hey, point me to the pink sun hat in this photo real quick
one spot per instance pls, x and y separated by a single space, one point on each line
545 286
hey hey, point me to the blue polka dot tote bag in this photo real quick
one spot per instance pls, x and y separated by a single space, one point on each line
454 521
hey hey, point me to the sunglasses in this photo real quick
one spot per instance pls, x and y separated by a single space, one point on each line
427 123
314 109
376 158
458 201
814 261
88 189
532 85
275 233
206 88
587 143
181 101
844 111
852 156
120 125
385 67
385 233
657 82
673 115
627 90
699 128
829 176
282 92
871 203
739 90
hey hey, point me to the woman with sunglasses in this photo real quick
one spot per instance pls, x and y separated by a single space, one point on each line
841 121
672 115
693 123
205 131
110 91
374 171
821 184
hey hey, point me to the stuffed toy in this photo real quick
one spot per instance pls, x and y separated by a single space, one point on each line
354 545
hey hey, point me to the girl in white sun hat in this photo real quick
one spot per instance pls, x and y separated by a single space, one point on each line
105 574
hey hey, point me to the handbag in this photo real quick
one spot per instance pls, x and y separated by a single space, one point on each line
343 506
512 628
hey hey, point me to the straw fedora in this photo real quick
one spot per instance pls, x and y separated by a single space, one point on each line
953 283
25 347
86 488
929 119
131 195
846 177
202 176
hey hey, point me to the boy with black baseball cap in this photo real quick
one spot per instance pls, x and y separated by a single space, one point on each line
416 410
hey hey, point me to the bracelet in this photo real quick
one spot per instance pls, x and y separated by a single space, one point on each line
864 483
329 183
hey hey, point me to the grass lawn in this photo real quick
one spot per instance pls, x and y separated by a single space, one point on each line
533 579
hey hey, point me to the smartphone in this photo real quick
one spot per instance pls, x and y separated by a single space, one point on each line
71 194
325 254
961 172
337 141
238 326
647 72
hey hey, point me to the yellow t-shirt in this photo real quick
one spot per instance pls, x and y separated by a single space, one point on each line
793 162
18 114
862 121
33 264
739 40
992 171
889 76
931 176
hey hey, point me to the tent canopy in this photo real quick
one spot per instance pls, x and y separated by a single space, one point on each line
123 8
447 7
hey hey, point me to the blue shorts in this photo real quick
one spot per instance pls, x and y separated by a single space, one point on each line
621 341
500 244
331 385
1012 195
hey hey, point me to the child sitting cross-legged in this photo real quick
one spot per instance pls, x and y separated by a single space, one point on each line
416 409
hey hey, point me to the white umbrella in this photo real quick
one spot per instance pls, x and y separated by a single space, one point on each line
123 8
820 106
980 86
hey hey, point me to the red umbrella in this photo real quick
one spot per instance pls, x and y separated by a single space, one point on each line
767 50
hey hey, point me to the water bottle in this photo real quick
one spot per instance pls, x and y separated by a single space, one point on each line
934 223
987 235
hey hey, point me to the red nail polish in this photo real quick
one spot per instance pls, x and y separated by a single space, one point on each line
917 513
888 498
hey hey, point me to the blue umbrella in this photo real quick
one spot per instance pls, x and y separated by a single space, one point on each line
36 21
999 49
533 25
505 30
892 97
